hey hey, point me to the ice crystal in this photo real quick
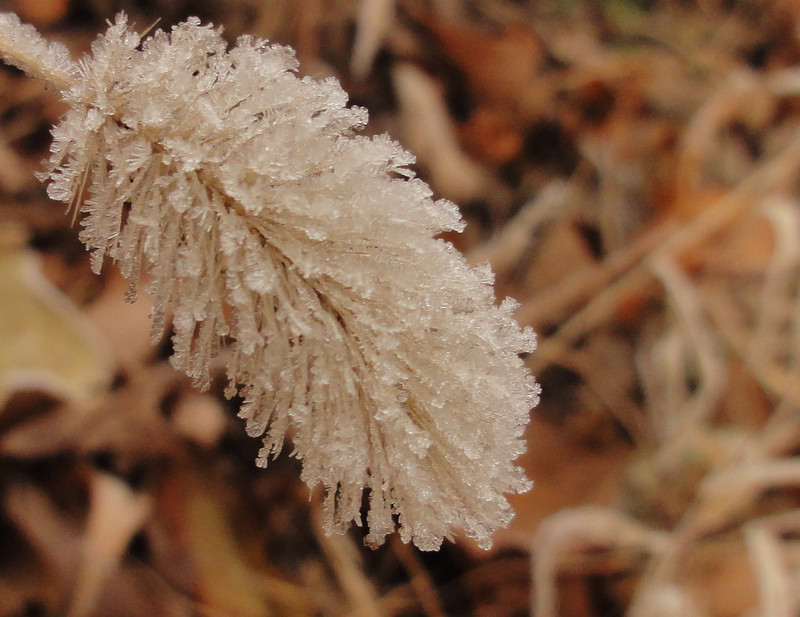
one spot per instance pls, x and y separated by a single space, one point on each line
267 223
21 45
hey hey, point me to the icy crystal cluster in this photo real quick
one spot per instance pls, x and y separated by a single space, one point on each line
266 223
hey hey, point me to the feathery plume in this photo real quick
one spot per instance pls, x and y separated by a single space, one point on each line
267 223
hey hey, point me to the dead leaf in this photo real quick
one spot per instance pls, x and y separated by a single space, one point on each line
374 21
204 542
565 474
429 132
115 514
501 68
47 343
41 12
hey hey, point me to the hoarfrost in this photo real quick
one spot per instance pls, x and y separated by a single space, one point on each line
262 217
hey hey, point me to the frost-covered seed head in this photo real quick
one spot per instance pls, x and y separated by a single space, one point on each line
265 220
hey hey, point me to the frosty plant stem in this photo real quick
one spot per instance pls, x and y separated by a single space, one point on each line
21 45
266 222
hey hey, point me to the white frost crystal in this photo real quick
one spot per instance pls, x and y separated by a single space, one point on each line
264 221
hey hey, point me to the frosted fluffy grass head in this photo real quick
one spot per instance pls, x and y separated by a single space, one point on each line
265 221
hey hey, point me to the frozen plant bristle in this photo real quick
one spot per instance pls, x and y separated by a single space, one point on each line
264 220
